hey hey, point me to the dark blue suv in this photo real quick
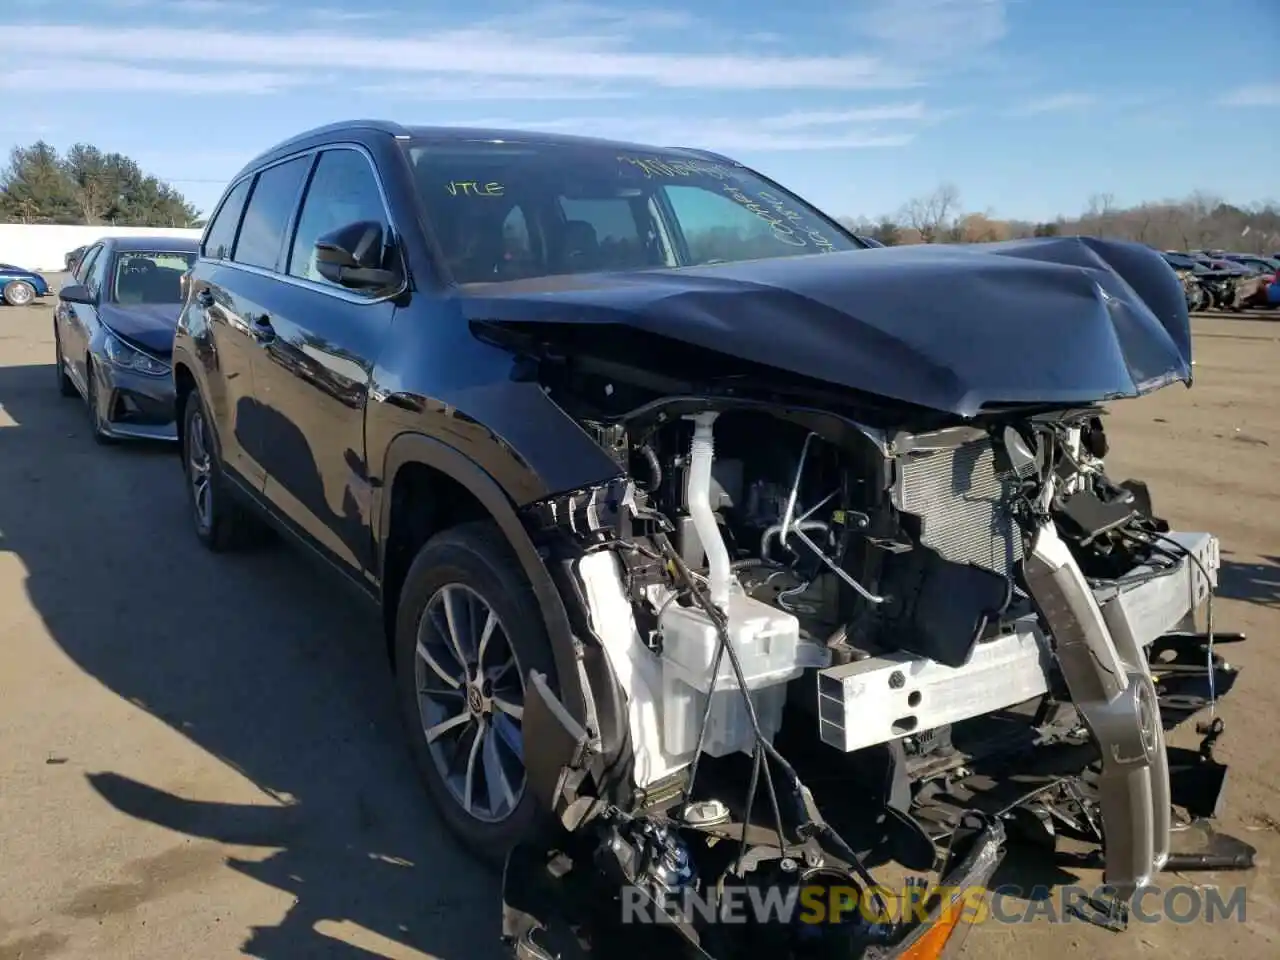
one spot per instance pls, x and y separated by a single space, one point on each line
627 441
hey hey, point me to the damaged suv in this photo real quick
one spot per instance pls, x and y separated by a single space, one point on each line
716 550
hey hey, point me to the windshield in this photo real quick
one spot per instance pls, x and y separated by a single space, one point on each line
504 211
149 276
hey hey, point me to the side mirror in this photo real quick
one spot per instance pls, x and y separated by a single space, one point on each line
76 293
352 256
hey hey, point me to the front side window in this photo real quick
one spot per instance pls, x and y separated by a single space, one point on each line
220 237
149 276
266 218
597 208
96 274
343 190
81 273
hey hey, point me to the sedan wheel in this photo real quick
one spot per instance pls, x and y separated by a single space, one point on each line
19 293
471 702
66 387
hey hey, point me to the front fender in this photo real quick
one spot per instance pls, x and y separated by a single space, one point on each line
416 448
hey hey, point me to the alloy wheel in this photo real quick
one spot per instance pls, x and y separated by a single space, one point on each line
199 470
471 702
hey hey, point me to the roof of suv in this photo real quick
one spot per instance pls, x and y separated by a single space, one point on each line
331 131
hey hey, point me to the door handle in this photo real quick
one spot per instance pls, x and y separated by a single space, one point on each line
261 329
205 298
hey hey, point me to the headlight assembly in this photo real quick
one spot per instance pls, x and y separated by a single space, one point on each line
125 357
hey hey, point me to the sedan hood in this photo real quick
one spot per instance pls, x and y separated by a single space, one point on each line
953 328
148 325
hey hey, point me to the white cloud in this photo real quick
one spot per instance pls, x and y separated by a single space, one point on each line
239 8
469 51
815 118
455 88
104 76
1058 103
343 16
200 7
934 30
1254 95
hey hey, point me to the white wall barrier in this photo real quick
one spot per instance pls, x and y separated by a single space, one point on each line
43 247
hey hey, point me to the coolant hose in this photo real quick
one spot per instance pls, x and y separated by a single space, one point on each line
698 495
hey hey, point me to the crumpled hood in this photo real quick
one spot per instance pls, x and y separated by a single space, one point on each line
950 327
149 325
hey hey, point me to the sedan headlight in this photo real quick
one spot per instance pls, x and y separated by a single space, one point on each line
126 358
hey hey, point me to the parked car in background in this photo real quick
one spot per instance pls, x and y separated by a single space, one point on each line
72 258
113 334
1195 278
1255 263
1221 264
19 286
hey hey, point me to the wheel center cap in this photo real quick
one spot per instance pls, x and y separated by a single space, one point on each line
475 701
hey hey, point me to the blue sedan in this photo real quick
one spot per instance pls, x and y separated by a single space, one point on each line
18 287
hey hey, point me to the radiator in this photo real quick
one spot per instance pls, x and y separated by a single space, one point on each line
962 499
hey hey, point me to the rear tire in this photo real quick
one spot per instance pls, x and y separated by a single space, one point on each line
222 523
472 571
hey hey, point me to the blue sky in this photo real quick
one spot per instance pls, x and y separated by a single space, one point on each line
1028 106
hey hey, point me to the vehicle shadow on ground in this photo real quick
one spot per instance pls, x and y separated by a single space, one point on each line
259 662
1252 582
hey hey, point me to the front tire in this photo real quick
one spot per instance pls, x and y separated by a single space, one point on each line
18 293
468 631
97 426
222 523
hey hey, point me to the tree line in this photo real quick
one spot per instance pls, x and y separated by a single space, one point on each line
87 185
1202 221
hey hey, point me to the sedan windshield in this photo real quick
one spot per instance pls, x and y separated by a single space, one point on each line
150 276
504 211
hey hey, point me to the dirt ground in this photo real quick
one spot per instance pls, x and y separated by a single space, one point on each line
199 755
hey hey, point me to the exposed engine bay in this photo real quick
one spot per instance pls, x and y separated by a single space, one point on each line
797 609
829 633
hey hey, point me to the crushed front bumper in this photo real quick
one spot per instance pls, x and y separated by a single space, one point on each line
884 698
531 902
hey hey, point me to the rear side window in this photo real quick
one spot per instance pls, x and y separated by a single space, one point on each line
343 190
267 216
221 235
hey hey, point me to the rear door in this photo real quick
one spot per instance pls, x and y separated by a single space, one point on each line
241 254
314 371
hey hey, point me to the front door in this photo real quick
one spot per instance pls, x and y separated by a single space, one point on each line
315 369
76 321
